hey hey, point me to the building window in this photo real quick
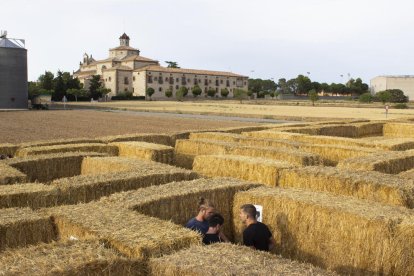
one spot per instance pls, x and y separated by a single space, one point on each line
160 89
234 82
171 80
176 87
183 81
177 79
160 80
188 80
126 81
245 83
149 79
205 82
126 89
109 78
221 81
133 78
209 81
217 83
155 78
227 83
195 82
133 89
166 78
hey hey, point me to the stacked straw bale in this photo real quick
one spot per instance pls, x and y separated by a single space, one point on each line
191 148
56 142
86 188
68 258
402 130
147 151
33 195
10 175
44 168
21 227
387 162
379 187
8 149
388 143
259 170
177 201
218 136
163 139
407 174
220 258
90 147
347 235
239 130
132 234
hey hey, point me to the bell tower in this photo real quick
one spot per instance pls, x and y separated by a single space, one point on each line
124 40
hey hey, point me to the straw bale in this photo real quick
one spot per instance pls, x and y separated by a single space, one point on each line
347 235
407 174
146 151
219 258
163 139
132 234
21 226
391 162
184 160
209 147
56 142
218 136
239 130
44 168
8 149
257 170
379 187
91 147
10 175
388 143
33 195
85 188
177 201
68 258
402 130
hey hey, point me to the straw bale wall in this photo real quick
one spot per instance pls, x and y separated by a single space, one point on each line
130 233
45 168
386 162
177 201
218 136
91 147
407 174
146 151
219 258
347 235
184 160
401 130
33 195
257 170
8 149
69 258
10 175
375 186
20 227
163 139
56 142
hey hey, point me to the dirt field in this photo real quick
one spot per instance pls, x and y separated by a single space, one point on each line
25 126
232 108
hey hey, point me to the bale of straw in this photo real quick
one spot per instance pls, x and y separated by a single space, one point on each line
347 235
177 201
69 258
56 142
33 195
163 139
257 170
45 168
401 130
87 188
20 227
386 162
209 147
184 160
407 174
379 187
8 149
219 258
91 147
388 143
239 130
132 234
218 136
146 151
10 175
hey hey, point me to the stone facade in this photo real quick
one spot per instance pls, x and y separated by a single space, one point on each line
405 83
127 71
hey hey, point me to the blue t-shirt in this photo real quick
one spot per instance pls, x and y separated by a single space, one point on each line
200 226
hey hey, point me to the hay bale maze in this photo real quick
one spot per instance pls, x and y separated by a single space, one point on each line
338 197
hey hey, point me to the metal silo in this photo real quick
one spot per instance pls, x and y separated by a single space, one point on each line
13 73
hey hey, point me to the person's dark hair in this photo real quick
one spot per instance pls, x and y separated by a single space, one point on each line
204 204
250 210
215 220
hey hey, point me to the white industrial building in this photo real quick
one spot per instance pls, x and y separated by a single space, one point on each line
404 83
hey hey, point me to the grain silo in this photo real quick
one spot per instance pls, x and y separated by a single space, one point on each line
13 73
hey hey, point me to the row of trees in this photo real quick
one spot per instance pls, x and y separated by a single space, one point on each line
64 85
196 91
301 85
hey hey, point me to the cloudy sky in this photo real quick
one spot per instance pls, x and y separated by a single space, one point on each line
260 38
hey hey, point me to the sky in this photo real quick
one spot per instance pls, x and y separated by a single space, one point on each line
328 40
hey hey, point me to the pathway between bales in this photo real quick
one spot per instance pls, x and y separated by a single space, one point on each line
26 126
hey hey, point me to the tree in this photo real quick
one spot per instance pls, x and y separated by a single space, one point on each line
365 98
150 91
284 88
105 91
397 96
168 93
224 92
383 96
211 92
77 93
94 85
196 91
46 80
304 84
292 85
313 96
240 94
357 86
33 89
59 87
258 85
183 90
172 64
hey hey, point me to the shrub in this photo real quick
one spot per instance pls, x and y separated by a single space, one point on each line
168 93
401 106
150 92
196 91
183 91
224 92
397 96
383 96
211 92
366 98
313 96
240 94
